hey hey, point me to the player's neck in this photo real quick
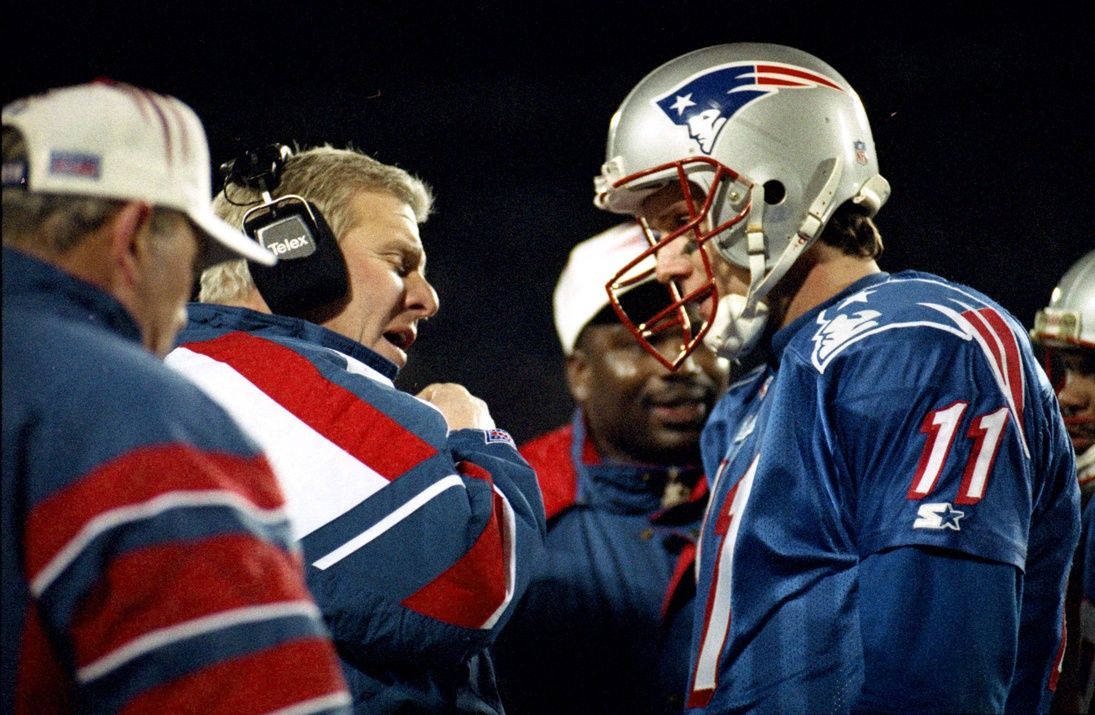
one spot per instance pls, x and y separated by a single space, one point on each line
249 299
828 275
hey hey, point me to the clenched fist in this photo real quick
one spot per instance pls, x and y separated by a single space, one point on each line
462 410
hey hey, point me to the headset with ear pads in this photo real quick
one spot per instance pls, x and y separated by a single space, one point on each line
311 271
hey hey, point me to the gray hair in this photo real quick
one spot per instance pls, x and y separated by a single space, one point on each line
329 178
55 223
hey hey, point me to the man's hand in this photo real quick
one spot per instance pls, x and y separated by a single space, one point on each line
462 410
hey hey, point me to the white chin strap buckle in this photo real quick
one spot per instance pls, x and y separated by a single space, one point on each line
734 334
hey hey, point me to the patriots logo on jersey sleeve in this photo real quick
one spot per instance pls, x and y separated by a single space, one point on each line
703 102
836 332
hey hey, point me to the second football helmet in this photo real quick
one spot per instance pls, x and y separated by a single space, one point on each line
774 140
1065 329
1069 319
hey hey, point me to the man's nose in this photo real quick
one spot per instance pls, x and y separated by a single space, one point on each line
673 264
422 297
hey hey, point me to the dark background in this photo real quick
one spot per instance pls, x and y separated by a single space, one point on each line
982 119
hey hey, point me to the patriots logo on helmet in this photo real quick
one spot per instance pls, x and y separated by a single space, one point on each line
703 102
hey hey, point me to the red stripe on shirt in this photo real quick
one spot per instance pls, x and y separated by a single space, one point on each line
549 457
722 522
1014 371
473 470
368 434
1058 659
190 580
135 478
1005 355
684 568
472 589
42 686
698 698
261 682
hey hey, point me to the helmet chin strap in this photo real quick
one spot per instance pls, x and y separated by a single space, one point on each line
732 334
739 321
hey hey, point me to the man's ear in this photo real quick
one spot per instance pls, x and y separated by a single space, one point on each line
127 236
578 375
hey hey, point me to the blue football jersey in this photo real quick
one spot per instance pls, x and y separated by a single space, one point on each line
907 411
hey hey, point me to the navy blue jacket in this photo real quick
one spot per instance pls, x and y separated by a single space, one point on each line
417 540
604 627
147 558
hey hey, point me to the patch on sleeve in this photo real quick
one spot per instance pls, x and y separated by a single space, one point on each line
491 436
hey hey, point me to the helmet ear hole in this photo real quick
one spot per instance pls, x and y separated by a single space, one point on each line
774 192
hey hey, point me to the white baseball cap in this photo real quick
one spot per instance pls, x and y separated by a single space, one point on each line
116 141
580 293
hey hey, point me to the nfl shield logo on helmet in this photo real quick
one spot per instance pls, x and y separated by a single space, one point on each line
703 102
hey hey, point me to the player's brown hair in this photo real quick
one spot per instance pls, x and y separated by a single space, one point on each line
853 232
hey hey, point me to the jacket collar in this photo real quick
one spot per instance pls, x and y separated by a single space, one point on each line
226 317
630 488
33 282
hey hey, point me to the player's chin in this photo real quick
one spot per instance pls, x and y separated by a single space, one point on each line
675 436
679 417
391 352
667 447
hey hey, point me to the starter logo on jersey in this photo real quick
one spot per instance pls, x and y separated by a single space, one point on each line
704 101
939 515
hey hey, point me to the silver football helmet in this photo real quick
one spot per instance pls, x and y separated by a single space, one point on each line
1069 319
1067 327
773 137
